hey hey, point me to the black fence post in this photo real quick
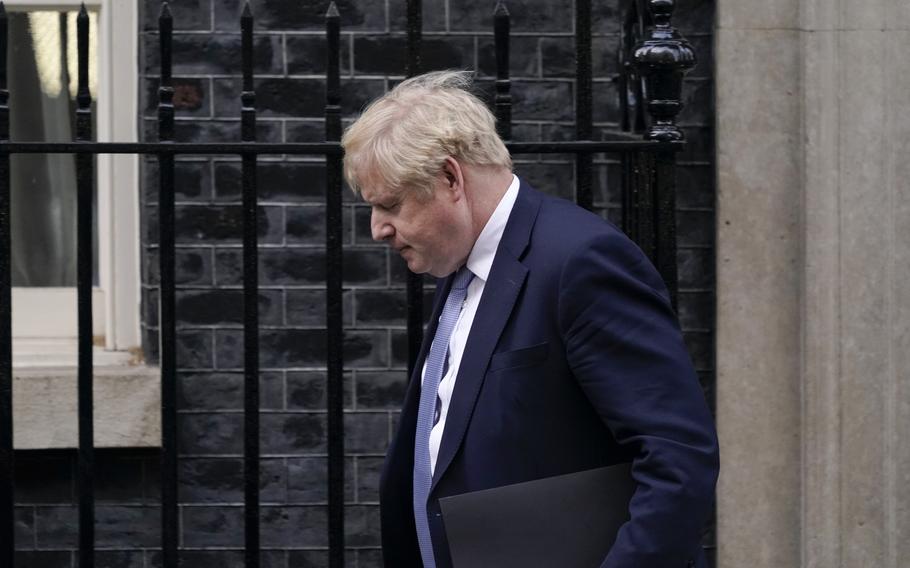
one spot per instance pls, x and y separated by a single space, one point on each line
250 299
583 102
503 102
662 61
415 281
84 186
334 280
7 533
166 298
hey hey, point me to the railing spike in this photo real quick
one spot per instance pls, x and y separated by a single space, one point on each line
83 13
501 9
332 12
165 13
247 13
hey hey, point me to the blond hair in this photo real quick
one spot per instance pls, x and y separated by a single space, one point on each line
403 138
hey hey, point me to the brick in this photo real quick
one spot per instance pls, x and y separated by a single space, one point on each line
210 433
606 17
195 224
380 307
695 228
293 433
293 97
294 526
366 432
290 181
695 186
139 526
306 55
220 307
704 55
192 267
526 15
606 109
308 482
553 179
302 347
118 478
701 349
43 559
210 480
307 130
307 390
41 479
307 307
523 57
306 225
695 16
696 310
369 558
305 266
186 14
214 53
56 526
542 100
696 268
698 102
308 558
212 526
361 525
607 185
191 97
117 559
194 348
192 180
387 55
301 14
221 559
433 15
24 526
558 57
381 389
368 473
213 131
224 391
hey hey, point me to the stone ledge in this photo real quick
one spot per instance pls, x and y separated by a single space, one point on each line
127 406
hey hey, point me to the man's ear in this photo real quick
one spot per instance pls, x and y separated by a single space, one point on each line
454 177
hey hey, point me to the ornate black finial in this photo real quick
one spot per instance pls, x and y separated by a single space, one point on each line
663 60
332 12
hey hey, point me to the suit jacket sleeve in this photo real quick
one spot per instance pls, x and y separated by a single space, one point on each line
625 348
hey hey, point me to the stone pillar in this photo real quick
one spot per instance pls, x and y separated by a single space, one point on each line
813 349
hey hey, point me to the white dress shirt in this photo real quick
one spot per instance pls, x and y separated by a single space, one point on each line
479 262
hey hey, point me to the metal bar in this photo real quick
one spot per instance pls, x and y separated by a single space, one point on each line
620 144
415 281
84 253
7 462
250 300
665 221
643 202
166 299
501 26
583 102
334 278
415 38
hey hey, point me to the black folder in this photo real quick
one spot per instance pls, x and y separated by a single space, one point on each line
567 521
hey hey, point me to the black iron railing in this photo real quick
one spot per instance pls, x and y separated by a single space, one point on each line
653 61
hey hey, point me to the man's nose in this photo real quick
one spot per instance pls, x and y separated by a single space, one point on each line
380 227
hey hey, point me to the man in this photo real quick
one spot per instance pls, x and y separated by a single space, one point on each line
552 347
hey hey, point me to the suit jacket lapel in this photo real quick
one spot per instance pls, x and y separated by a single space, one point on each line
501 290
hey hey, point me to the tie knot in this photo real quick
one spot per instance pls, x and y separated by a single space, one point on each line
462 278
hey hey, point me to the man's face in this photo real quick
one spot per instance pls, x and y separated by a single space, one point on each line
431 233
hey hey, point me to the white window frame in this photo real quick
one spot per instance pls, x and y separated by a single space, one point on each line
45 331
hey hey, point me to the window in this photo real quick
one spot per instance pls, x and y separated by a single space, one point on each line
42 72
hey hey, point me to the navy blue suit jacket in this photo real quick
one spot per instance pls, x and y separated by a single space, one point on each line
574 361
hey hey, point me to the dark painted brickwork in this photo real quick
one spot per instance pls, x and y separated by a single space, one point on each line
290 56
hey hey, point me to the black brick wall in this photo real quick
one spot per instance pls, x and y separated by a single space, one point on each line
290 61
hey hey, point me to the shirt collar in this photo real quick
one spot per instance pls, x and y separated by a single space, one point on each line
481 258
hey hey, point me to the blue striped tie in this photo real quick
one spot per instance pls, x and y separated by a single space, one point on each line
436 361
